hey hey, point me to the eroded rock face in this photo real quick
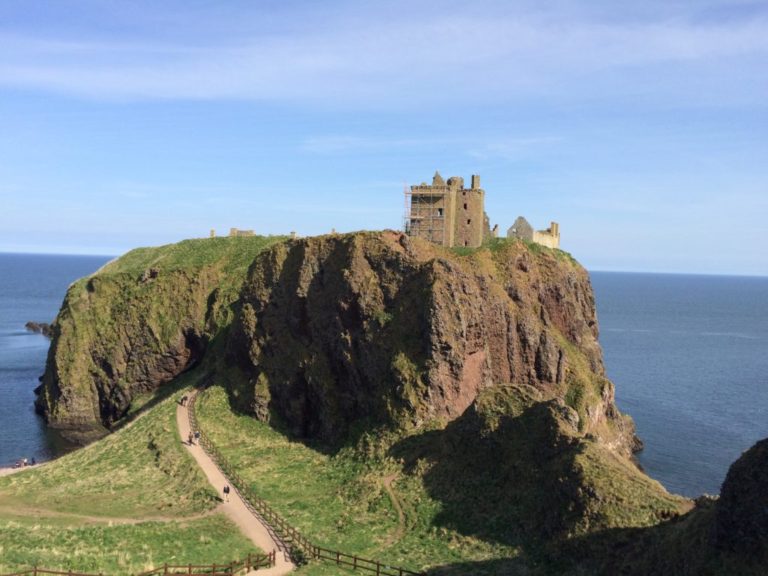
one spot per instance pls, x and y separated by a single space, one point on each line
333 334
116 337
381 328
741 520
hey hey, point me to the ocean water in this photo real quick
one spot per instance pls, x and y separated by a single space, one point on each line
688 355
31 289
689 358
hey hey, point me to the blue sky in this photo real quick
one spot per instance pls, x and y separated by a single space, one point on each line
642 127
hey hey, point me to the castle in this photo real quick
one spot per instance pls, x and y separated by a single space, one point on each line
446 213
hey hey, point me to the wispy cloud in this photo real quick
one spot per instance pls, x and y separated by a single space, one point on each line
350 60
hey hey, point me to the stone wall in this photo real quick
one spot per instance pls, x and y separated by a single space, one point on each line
469 221
447 213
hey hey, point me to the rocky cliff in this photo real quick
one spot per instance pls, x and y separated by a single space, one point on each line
135 325
478 371
379 328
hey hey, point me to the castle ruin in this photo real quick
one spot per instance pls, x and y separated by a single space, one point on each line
446 213
449 214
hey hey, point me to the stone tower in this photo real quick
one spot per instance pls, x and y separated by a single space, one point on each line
446 213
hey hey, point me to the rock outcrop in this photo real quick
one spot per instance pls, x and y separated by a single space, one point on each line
40 328
135 325
741 518
385 329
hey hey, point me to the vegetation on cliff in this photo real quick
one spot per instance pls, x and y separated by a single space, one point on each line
135 325
443 409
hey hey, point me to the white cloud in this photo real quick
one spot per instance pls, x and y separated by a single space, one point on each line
349 61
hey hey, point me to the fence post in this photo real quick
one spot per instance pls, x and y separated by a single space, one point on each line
189 568
165 568
378 568
354 562
248 563
338 558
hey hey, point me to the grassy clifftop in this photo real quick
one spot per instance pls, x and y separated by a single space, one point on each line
136 324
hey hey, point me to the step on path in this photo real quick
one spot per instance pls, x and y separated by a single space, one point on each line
236 509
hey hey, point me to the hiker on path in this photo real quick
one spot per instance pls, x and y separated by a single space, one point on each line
226 493
197 436
183 400
190 438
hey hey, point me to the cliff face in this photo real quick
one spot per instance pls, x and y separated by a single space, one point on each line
383 329
134 326
332 333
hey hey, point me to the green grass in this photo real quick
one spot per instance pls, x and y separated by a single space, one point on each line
118 549
127 503
137 472
339 501
228 253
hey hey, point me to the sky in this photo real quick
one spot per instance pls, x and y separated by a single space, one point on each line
641 127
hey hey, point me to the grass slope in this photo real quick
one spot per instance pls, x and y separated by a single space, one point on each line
93 509
229 254
339 501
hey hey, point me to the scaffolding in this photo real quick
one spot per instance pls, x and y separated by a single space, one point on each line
425 213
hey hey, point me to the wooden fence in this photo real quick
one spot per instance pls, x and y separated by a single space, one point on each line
251 562
290 540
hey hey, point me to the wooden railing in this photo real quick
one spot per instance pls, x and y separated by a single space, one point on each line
291 541
250 562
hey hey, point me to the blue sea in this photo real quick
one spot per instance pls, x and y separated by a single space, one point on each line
31 289
688 355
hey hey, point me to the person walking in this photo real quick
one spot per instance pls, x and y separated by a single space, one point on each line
226 493
197 436
190 438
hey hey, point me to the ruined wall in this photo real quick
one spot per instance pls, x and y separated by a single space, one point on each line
469 223
546 238
447 213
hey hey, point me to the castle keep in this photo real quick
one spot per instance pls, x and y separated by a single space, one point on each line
449 214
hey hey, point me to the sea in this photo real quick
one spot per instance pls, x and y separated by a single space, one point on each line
32 288
688 355
689 358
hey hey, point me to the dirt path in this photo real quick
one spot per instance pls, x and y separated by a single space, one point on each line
400 531
235 509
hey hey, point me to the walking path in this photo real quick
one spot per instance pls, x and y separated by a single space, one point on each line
400 530
235 509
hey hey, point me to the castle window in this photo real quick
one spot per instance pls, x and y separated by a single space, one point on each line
439 211
469 220
465 206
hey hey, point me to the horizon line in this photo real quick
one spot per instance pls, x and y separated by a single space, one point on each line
590 270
